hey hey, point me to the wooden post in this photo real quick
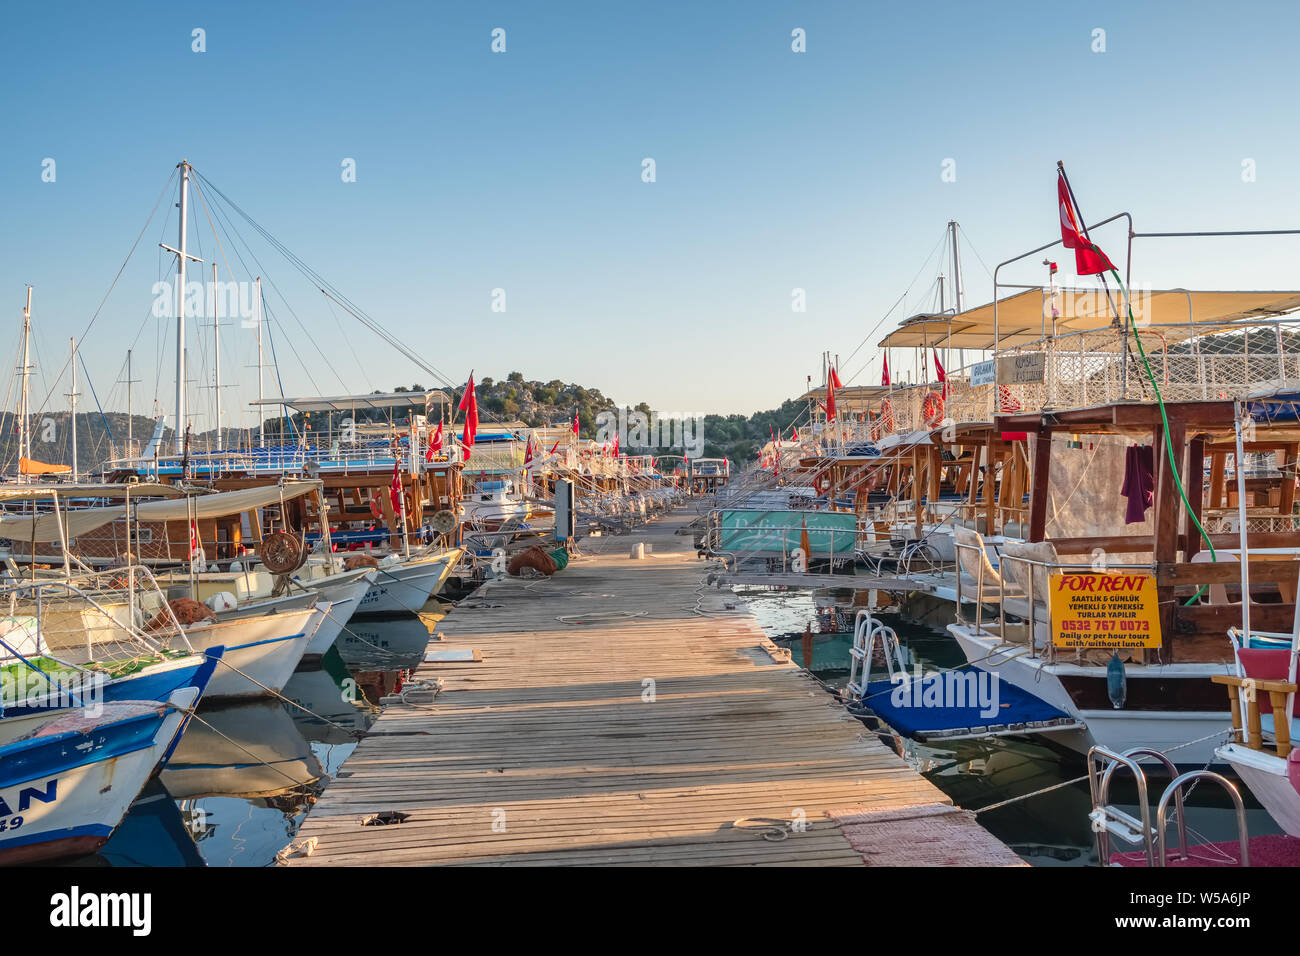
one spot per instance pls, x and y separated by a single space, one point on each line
1281 725
916 488
1218 466
990 484
1287 503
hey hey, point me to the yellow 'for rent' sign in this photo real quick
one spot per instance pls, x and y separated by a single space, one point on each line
1104 610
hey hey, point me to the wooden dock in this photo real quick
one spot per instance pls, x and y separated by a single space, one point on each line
621 712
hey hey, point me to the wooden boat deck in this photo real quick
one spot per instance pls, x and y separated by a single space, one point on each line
620 713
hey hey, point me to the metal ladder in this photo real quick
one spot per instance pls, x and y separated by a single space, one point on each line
865 631
1108 821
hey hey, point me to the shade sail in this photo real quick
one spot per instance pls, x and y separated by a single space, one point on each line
67 491
1025 317
350 403
79 521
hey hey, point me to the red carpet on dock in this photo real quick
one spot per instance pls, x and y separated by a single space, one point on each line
932 834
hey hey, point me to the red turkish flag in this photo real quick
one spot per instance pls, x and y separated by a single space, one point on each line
395 489
942 375
469 405
1089 260
435 443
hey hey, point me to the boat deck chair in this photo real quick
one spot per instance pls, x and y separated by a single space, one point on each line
1263 688
1031 580
1215 593
973 561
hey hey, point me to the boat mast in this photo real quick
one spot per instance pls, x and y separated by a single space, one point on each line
72 397
956 285
24 435
130 415
261 410
181 257
216 348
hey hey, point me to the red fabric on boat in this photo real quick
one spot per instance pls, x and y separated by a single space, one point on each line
1267 665
1275 849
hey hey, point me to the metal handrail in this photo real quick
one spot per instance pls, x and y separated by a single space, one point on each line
1176 790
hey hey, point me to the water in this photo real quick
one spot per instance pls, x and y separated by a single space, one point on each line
1050 829
244 776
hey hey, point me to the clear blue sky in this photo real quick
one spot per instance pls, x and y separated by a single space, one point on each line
522 171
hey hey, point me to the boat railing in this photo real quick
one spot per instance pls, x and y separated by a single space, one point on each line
1077 369
1109 821
767 541
98 609
1189 363
1027 593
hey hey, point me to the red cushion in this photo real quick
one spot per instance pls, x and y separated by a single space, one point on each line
1268 665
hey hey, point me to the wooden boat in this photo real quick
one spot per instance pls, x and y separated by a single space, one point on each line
68 776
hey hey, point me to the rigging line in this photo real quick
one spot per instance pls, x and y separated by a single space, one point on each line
896 304
112 285
90 382
275 361
392 341
305 370
323 283
236 236
338 323
966 240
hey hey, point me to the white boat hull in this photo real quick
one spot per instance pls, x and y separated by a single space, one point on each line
407 587
261 652
344 600
1266 776
85 803
1190 737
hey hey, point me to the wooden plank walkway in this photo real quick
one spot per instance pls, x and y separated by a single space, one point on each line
620 713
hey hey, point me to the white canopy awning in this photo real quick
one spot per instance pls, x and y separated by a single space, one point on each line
79 521
1026 317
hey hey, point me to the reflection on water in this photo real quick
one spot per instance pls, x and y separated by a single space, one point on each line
244 775
1051 829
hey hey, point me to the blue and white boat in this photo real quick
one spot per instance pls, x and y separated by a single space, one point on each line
68 776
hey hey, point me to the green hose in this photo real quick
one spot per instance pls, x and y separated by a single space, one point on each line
1169 447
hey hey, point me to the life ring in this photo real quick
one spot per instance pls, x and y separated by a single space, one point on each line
822 483
376 509
887 416
932 408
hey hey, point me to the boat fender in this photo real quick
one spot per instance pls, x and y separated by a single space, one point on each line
222 601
